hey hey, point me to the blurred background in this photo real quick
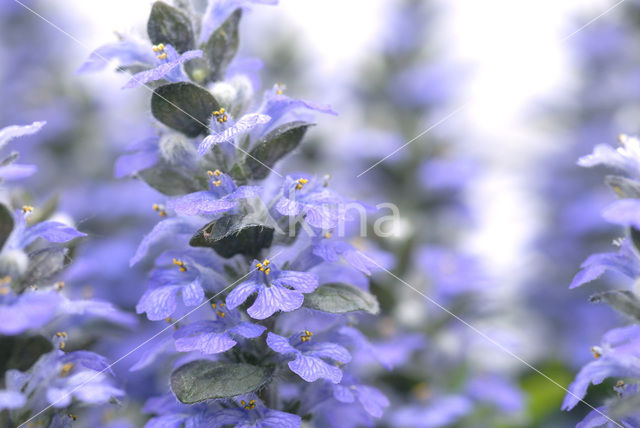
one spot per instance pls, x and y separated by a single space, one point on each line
504 96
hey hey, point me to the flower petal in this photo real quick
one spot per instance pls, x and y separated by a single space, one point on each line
311 369
273 299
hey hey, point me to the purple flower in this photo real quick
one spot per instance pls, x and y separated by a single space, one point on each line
223 195
372 400
281 108
624 261
232 129
278 290
618 356
308 196
215 336
127 52
309 357
57 378
440 412
187 272
219 10
9 170
625 158
167 67
251 413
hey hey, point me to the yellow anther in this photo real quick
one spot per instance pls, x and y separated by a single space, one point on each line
217 183
74 417
26 209
221 314
307 336
61 334
264 266
620 383
161 46
159 209
168 320
281 88
220 115
250 405
301 182
622 138
213 305
180 265
66 369
63 344
58 285
4 290
163 55
596 353
327 235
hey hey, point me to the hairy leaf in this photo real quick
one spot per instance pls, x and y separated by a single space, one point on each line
169 25
230 235
184 107
204 380
624 301
339 298
274 146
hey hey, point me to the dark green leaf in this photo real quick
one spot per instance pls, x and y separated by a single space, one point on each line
339 298
624 187
274 146
169 181
634 235
6 224
20 352
204 380
624 301
230 235
222 46
184 106
169 25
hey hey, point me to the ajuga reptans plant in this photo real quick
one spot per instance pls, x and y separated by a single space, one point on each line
246 264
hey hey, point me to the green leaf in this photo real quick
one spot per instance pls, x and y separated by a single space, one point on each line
339 298
624 187
21 352
184 107
222 46
274 146
230 235
204 380
169 181
6 224
623 301
169 25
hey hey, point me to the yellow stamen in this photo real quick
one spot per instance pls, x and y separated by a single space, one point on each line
213 305
221 314
58 285
220 115
4 290
281 88
327 235
61 334
596 353
6 279
264 266
66 369
74 417
307 336
180 265
217 183
160 210
27 209
301 182
163 55
63 344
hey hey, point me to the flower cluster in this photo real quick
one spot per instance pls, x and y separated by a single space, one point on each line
248 266
45 373
617 355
